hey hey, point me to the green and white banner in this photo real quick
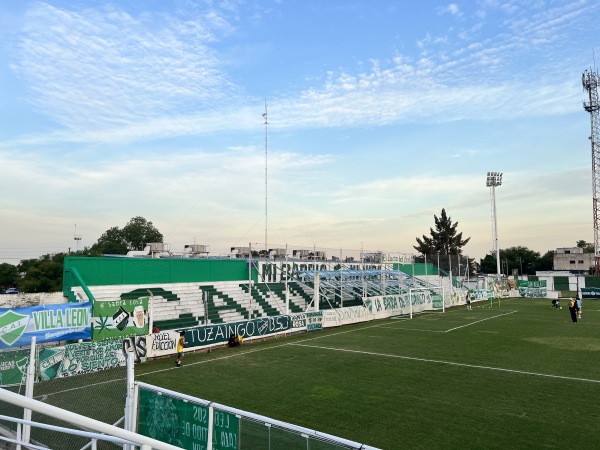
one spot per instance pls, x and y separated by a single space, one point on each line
214 334
387 305
13 366
483 294
308 321
184 423
590 293
532 289
120 318
81 358
383 305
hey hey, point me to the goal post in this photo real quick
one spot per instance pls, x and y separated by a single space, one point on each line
425 299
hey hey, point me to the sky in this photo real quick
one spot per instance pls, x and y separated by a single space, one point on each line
380 113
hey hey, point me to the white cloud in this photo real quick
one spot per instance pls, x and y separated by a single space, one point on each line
452 9
107 76
95 68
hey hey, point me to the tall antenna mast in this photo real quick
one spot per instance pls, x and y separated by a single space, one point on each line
590 80
266 191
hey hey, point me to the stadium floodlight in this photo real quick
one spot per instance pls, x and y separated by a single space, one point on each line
494 179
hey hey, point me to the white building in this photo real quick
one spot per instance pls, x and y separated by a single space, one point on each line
573 259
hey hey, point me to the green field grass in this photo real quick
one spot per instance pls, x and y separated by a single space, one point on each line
518 375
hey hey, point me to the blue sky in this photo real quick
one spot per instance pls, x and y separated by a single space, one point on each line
381 113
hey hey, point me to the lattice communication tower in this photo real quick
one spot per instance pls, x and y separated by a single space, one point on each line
590 80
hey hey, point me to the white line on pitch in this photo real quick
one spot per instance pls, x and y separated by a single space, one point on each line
450 363
412 329
477 321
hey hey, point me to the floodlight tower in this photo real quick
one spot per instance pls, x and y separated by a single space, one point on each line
76 238
590 81
494 179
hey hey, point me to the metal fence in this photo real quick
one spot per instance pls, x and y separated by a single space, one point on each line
191 422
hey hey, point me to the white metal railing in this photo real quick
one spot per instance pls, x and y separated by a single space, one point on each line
100 429
266 421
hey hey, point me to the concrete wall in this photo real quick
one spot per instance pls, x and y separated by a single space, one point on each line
20 300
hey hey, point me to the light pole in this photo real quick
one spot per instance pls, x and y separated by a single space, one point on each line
494 179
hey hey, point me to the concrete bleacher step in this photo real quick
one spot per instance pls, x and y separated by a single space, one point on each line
230 302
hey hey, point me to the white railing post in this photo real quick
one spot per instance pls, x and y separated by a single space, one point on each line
29 389
287 288
150 311
443 300
211 411
317 296
129 406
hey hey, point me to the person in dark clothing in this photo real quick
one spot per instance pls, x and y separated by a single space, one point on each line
573 310
233 341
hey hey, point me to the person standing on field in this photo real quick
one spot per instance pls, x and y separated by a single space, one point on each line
468 300
180 345
578 303
573 310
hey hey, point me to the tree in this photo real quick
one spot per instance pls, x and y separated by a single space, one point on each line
444 240
526 261
133 236
488 263
546 262
9 275
520 258
43 274
139 232
112 242
586 246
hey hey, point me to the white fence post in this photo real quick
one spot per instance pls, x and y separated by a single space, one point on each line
129 400
317 296
211 427
29 389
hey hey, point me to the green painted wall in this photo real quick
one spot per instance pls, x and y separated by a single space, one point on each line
592 282
104 271
419 268
561 284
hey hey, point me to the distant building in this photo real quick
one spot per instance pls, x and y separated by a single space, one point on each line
573 259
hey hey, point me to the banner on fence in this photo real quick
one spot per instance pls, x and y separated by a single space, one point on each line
13 366
185 424
81 358
214 334
533 288
314 320
163 343
590 293
344 316
298 321
48 323
483 294
385 305
120 318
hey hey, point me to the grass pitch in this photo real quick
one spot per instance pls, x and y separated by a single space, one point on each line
518 375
